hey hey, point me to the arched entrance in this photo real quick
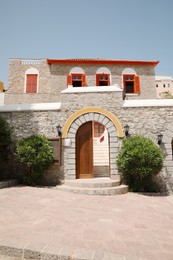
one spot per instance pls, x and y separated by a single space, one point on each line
92 151
70 131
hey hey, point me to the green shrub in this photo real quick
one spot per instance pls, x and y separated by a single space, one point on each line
36 154
5 135
139 160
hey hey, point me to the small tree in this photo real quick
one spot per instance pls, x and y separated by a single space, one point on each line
36 154
139 159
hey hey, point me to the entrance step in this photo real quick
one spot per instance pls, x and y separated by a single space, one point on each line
95 186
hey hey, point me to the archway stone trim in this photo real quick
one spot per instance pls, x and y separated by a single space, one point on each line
113 127
93 114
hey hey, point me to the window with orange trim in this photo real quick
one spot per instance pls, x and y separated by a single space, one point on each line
31 83
55 143
98 129
76 80
102 80
131 84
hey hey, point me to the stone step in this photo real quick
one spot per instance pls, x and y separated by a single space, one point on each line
92 183
122 189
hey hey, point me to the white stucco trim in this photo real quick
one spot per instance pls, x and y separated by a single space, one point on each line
149 103
92 89
2 98
30 107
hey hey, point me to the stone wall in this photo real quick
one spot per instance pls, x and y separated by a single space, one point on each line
147 121
53 80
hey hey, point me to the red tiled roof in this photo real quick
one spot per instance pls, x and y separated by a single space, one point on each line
101 61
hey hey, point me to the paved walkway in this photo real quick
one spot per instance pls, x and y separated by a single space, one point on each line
129 226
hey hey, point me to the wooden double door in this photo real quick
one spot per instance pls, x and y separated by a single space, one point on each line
84 151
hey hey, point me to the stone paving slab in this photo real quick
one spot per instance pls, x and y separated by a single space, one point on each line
43 223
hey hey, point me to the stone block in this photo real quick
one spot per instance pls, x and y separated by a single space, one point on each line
101 118
72 130
82 119
96 117
112 129
113 134
110 124
91 116
75 126
113 144
169 163
71 161
71 135
71 167
78 122
87 118
105 121
168 158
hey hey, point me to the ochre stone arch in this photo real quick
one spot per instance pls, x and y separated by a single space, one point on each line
83 111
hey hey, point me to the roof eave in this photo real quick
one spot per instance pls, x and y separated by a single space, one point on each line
97 61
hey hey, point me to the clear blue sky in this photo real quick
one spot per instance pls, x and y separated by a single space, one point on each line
117 29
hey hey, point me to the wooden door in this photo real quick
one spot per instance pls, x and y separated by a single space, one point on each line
84 152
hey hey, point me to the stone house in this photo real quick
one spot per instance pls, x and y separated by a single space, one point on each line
92 100
164 86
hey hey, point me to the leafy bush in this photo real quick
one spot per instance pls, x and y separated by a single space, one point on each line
5 135
36 154
139 160
6 147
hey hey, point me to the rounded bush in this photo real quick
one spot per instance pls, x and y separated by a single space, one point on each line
36 154
139 159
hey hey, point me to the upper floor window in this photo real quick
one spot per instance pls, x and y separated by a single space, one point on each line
103 77
131 84
31 83
76 77
157 85
164 85
102 80
31 80
76 80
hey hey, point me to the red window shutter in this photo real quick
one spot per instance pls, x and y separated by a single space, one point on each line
108 79
69 80
31 83
97 79
136 85
83 80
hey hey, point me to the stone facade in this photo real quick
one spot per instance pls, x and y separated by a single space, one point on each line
147 119
53 79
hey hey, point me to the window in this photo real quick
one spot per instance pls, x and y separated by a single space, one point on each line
131 84
56 146
98 129
168 85
31 83
76 80
157 85
102 80
164 85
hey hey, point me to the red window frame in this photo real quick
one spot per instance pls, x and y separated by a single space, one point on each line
103 78
98 129
77 77
31 83
136 83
